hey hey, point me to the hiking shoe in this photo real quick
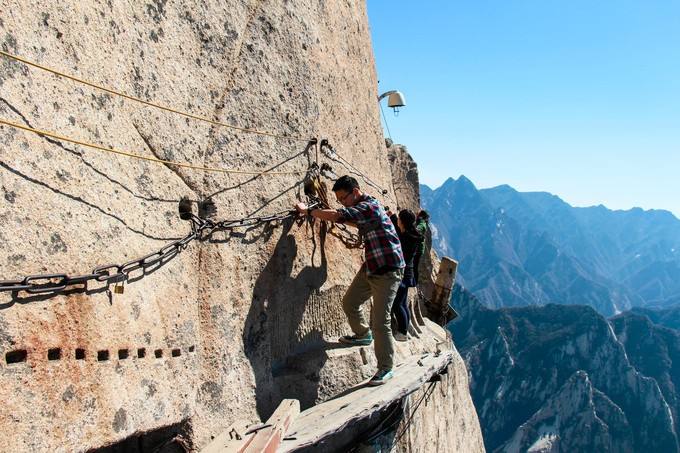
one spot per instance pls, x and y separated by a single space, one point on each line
381 377
356 340
400 336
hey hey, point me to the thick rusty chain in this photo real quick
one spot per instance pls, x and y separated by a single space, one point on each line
119 273
109 273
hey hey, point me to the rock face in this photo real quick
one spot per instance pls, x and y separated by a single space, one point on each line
577 418
234 323
460 433
405 178
653 349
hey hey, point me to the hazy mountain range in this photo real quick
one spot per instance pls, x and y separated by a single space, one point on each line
531 248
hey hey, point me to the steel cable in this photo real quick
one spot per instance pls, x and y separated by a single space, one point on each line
148 103
147 158
333 155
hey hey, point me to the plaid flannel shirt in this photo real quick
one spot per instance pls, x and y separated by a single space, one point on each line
381 242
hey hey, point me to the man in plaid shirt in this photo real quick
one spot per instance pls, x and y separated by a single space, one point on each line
378 277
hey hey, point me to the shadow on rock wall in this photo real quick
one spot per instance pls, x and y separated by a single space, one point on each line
276 327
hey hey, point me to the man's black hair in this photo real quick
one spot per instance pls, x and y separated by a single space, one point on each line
346 183
423 215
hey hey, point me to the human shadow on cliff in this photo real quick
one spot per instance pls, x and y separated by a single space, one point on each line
274 332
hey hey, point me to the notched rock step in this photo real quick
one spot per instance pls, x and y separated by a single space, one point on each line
301 362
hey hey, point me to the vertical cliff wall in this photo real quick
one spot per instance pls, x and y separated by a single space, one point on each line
444 417
232 324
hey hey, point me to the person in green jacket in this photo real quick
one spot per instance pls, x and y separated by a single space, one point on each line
422 227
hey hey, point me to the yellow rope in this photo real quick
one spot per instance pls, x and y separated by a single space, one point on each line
151 104
138 156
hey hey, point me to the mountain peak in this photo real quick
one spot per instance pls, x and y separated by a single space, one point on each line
503 188
462 182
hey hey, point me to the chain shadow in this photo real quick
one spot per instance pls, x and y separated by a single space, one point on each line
22 300
296 185
259 175
275 317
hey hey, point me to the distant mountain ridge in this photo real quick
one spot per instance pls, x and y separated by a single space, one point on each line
531 248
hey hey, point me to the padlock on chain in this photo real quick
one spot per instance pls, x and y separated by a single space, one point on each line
119 288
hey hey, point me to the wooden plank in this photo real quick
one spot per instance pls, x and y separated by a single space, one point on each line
246 437
324 420
441 295
267 440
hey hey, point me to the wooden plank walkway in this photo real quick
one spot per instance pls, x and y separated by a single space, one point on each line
313 427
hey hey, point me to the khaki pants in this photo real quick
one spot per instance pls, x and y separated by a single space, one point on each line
383 288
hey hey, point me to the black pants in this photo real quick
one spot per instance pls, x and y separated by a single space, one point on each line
416 265
400 308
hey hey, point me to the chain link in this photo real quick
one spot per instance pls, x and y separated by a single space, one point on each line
201 228
349 238
119 273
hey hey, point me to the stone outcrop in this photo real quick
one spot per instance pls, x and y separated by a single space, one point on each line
233 324
577 418
405 178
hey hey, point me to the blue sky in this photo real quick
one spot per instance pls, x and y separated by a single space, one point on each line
577 98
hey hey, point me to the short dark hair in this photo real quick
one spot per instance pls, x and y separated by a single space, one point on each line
423 215
346 183
408 218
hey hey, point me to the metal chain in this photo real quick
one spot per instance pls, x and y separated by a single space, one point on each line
400 433
109 273
351 239
316 191
426 396
248 222
120 273
201 227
